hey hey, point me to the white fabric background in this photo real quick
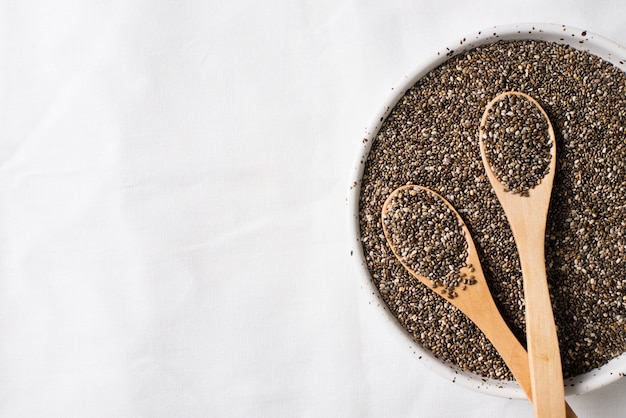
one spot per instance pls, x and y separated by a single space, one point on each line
173 221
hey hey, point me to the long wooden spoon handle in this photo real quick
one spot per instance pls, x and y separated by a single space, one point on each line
515 356
543 345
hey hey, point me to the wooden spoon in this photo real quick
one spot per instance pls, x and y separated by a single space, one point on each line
475 301
527 213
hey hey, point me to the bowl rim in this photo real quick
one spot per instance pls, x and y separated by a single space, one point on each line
574 37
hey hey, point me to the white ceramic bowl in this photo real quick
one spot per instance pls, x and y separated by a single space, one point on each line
561 34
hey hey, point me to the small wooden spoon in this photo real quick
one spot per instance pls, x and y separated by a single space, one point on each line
475 301
527 214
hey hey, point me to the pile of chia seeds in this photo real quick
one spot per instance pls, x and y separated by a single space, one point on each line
430 138
427 237
517 143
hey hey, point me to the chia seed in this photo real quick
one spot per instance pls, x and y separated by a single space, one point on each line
430 138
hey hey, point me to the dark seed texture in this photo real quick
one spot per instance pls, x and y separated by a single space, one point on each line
427 236
430 138
517 143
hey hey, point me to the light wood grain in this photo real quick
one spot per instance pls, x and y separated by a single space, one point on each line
477 304
527 217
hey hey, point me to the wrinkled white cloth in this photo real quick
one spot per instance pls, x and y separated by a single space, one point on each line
173 223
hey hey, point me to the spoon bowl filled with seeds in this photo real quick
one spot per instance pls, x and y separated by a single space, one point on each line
427 133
